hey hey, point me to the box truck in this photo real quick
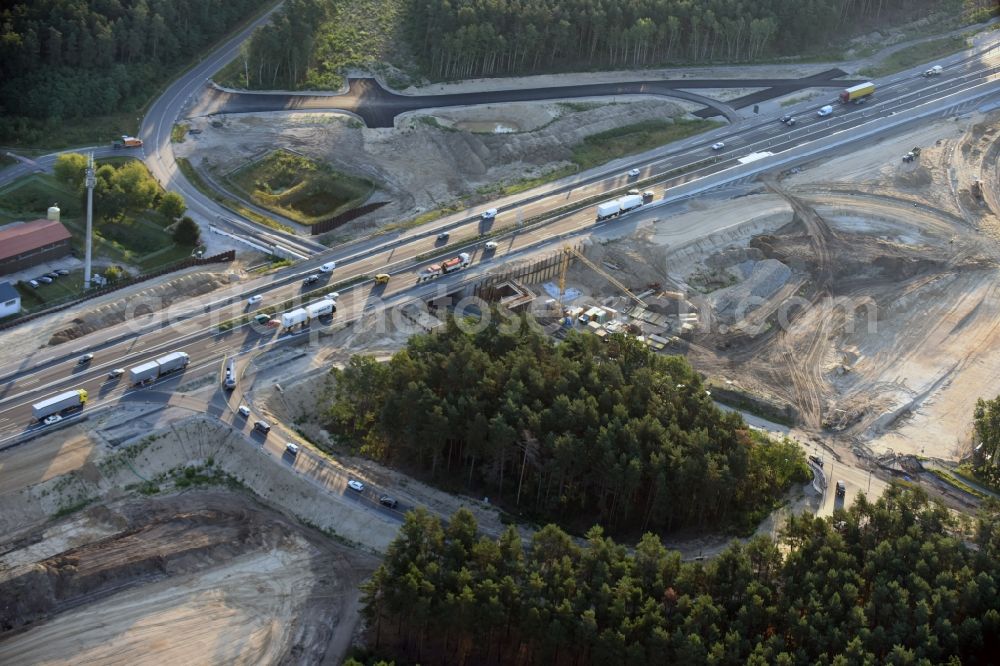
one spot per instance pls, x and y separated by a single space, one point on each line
294 318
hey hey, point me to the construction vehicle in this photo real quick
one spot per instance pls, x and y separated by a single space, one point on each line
912 155
445 267
977 190
59 403
860 91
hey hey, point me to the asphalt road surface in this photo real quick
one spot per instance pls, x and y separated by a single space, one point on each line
378 107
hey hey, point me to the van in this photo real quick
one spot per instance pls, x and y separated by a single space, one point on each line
328 267
841 489
489 214
262 426
825 111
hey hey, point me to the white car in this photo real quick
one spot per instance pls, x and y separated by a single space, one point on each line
825 111
718 146
491 245
489 214
333 295
356 485
49 420
244 411
328 266
254 300
632 173
116 373
292 448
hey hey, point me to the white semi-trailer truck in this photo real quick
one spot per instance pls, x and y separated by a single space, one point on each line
59 403
158 367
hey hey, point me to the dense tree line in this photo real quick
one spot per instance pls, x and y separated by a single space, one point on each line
584 428
888 583
462 38
124 190
64 59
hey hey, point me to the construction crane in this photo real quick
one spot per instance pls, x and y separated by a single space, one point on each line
569 251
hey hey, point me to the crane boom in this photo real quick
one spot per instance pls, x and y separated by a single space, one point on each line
579 255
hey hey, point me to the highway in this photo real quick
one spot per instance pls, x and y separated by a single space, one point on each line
193 326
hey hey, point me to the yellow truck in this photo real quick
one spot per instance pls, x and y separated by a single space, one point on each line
854 93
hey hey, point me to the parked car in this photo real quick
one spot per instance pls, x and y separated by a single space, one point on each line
194 130
488 214
33 283
633 173
244 411
49 420
44 279
255 299
311 279
116 373
292 448
53 275
356 485
390 502
262 426
490 245
718 146
61 271
85 359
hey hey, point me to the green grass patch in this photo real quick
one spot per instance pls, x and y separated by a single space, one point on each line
637 138
577 107
73 508
915 55
299 188
955 482
31 196
178 133
192 175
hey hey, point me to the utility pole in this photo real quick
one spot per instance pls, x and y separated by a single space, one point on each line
91 181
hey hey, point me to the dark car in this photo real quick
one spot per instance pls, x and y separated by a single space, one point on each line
785 119
390 502
443 236
61 271
262 426
311 279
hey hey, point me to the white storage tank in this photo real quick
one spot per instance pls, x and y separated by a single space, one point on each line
54 212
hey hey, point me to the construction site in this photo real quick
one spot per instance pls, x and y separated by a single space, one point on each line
851 299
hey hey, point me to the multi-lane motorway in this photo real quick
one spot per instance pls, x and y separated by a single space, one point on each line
193 327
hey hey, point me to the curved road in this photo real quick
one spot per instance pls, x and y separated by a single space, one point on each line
378 107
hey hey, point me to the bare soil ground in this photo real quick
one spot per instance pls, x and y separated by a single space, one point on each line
862 291
205 577
425 162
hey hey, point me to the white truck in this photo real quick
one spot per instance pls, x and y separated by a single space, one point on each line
157 368
59 403
294 318
618 206
934 71
320 308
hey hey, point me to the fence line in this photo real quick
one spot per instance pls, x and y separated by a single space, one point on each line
223 257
